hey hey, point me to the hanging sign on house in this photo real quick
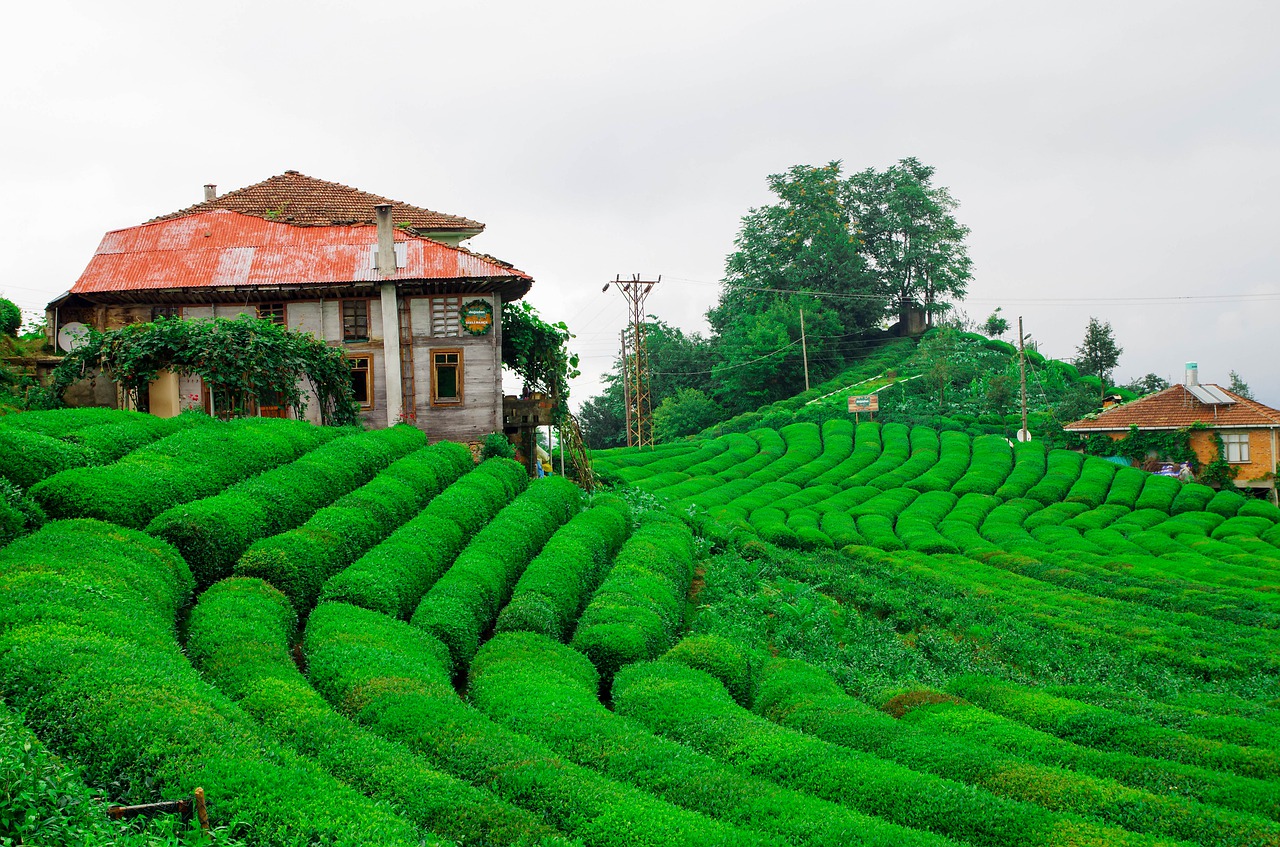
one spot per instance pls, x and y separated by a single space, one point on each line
477 316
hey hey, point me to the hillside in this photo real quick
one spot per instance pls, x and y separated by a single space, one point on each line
817 634
949 380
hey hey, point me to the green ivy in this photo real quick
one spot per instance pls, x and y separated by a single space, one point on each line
1219 472
1168 445
537 351
241 361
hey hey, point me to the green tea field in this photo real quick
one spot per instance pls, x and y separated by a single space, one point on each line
819 633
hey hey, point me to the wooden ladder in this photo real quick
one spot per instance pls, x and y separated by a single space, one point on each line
408 385
577 450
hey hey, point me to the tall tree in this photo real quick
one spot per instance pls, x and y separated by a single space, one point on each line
806 242
1239 386
913 246
1149 384
1098 354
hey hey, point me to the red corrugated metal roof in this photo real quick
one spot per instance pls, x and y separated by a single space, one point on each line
222 248
1175 408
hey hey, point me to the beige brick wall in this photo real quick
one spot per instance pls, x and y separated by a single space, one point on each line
1262 460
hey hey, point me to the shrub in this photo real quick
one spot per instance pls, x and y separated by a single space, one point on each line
186 466
553 589
300 560
636 611
497 446
392 577
528 683
239 636
394 678
690 707
88 654
211 534
464 603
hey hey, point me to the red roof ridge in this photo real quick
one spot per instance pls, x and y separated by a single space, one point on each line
1175 407
333 203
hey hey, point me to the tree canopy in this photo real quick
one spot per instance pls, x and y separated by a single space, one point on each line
913 246
1098 354
538 351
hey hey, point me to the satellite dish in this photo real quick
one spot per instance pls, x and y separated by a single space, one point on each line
72 336
1024 435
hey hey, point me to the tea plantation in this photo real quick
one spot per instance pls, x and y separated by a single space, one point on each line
813 633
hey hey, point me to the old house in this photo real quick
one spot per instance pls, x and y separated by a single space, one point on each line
1250 431
418 316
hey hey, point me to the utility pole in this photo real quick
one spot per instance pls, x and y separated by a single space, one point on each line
804 351
639 411
626 383
1022 368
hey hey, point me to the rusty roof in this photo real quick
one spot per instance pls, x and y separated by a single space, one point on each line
1176 408
220 249
302 200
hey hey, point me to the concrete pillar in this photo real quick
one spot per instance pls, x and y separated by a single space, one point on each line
386 264
391 352
163 392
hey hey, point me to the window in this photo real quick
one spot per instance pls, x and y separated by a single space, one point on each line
355 320
166 312
444 317
273 312
446 376
1237 446
361 381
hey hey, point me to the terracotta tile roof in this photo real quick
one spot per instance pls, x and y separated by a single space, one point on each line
301 200
222 249
1175 408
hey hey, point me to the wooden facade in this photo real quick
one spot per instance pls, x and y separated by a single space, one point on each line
395 301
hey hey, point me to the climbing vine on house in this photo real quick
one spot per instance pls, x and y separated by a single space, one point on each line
241 360
1170 445
1219 472
538 351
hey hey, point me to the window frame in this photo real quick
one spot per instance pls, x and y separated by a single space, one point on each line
278 316
450 308
342 319
436 400
368 379
1239 441
166 311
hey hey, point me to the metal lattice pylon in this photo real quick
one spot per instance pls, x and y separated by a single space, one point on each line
635 362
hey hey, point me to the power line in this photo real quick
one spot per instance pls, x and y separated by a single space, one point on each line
1163 299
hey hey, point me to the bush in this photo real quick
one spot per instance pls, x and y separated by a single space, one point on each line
690 707
497 446
465 601
186 466
239 636
10 317
211 534
299 561
528 683
392 577
636 611
555 586
395 679
88 654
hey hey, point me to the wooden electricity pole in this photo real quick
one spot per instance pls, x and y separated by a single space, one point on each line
804 351
1022 368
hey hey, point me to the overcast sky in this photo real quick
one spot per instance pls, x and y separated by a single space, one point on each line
1117 159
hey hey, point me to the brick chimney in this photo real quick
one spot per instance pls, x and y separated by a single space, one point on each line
210 192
